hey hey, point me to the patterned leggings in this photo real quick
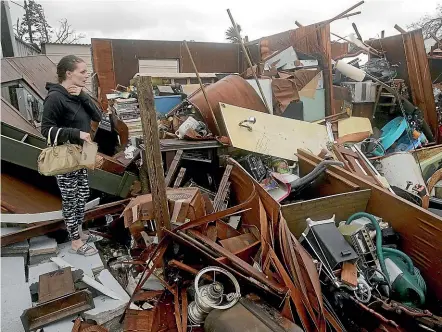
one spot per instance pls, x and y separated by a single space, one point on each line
74 188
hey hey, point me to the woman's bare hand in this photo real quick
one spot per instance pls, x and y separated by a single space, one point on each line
85 136
74 90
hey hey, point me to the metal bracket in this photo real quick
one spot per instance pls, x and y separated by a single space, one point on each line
244 123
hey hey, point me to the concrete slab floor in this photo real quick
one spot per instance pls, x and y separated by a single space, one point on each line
89 264
42 245
15 295
15 249
36 270
105 309
64 325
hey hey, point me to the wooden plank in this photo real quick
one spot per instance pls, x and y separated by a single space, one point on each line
179 178
153 153
238 243
349 274
272 135
223 188
51 226
342 206
420 230
173 167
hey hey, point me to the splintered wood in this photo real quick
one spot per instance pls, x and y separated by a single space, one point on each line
173 167
349 275
223 189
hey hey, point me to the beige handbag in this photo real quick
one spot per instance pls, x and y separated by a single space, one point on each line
62 159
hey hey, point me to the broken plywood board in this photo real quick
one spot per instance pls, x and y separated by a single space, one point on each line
340 205
354 125
272 135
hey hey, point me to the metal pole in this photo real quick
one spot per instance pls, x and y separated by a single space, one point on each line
202 87
249 61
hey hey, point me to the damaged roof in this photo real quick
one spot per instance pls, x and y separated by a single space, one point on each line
12 117
35 70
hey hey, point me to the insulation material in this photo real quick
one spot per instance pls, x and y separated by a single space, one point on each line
354 125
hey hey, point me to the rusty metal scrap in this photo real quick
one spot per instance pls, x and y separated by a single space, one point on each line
52 311
232 90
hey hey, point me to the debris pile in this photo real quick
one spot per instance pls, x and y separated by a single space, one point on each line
303 194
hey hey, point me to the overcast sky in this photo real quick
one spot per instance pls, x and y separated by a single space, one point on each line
207 20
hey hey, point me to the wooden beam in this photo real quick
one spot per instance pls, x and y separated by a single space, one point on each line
50 226
173 167
152 152
223 188
179 178
383 34
398 28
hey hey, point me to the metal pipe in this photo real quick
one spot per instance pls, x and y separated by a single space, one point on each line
249 61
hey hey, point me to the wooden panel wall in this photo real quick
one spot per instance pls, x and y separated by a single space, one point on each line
420 77
407 51
103 65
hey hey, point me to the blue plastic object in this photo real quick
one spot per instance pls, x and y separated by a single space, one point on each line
404 143
390 133
163 104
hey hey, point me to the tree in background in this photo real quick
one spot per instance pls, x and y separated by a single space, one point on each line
231 34
35 29
66 35
430 24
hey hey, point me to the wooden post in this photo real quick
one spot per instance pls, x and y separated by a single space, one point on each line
249 61
152 152
398 28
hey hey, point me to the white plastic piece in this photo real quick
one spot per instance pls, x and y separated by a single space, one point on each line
88 280
350 71
27 218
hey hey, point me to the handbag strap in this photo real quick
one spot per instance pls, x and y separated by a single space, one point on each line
56 136
49 136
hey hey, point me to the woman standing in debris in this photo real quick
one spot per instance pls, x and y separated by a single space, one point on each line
69 108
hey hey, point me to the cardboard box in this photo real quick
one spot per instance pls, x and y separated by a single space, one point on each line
184 203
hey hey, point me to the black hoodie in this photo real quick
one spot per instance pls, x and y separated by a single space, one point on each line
69 113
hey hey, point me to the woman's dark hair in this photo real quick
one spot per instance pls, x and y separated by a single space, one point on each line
67 63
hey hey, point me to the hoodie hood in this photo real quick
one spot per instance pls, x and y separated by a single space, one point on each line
60 88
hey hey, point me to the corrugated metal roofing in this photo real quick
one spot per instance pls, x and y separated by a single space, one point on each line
12 117
34 70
